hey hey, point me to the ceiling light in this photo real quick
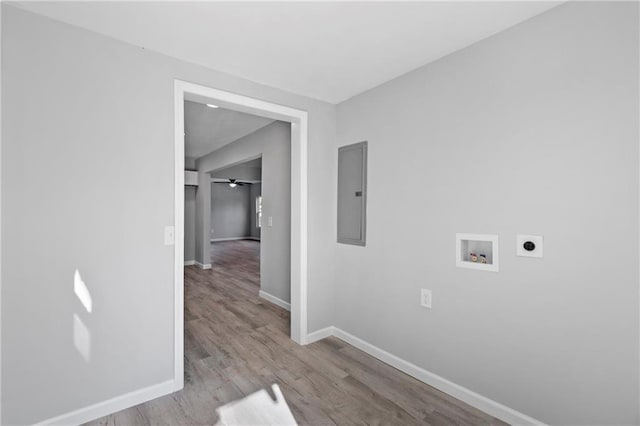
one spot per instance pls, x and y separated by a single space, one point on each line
232 184
212 106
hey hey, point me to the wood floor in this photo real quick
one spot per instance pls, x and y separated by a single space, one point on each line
237 345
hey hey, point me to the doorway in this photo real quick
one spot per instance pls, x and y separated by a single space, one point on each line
299 141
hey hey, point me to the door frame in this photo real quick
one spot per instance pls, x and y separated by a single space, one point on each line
299 147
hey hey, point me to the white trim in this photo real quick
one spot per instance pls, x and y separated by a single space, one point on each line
468 396
95 411
217 240
178 246
191 178
299 266
202 265
0 203
275 300
189 262
638 301
323 333
299 141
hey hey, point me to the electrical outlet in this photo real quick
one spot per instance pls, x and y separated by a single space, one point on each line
529 245
425 298
270 221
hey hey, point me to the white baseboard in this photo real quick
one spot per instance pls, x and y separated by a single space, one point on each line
95 411
189 262
275 300
321 334
217 240
468 396
202 265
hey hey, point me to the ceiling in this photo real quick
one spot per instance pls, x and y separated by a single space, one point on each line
325 50
208 129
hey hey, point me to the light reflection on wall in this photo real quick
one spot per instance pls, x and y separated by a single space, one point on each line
82 292
81 333
81 338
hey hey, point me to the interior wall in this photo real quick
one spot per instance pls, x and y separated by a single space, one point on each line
273 144
531 131
230 210
239 172
190 215
189 223
256 191
76 104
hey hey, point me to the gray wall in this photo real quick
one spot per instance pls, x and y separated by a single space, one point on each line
230 211
189 223
189 163
78 111
189 214
542 123
555 338
256 190
240 172
273 143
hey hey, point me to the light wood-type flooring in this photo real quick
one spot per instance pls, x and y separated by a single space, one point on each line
237 348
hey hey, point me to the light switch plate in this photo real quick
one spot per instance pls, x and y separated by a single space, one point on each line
425 298
169 235
524 247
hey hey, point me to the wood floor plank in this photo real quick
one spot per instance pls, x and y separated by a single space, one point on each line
237 344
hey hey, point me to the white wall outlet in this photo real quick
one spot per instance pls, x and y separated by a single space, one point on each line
270 221
425 298
169 235
529 245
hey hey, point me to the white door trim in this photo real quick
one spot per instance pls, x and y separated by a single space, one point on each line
299 140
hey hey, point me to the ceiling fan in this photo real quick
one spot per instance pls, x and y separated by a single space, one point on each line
234 182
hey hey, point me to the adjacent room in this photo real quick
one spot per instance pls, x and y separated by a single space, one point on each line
236 202
238 196
236 218
243 276
323 213
235 186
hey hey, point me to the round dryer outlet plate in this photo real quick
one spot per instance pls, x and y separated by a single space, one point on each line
529 245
